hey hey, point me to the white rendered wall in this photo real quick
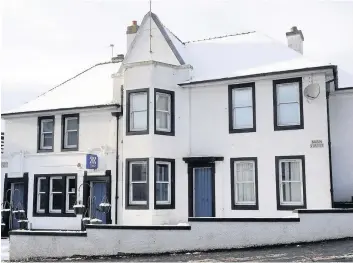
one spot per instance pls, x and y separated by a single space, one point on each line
202 236
341 121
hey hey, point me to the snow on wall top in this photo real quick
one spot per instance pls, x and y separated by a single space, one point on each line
92 87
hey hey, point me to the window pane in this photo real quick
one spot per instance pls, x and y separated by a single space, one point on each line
56 185
243 118
245 192
162 172
139 192
47 140
162 120
72 200
47 125
290 171
138 172
72 124
72 138
139 120
163 101
245 171
41 185
242 97
288 114
291 192
288 92
42 201
138 101
57 201
72 185
162 191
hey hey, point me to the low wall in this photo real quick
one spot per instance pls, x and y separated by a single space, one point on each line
200 234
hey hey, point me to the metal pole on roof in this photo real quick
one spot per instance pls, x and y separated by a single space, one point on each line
112 46
150 26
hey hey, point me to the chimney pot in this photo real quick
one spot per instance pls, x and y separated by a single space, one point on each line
134 22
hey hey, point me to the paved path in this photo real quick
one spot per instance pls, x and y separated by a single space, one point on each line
337 251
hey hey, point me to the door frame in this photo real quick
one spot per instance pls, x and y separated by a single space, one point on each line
191 167
87 179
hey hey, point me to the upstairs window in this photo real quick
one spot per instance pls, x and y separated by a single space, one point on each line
46 133
288 104
137 119
164 112
242 108
164 183
70 132
244 183
290 182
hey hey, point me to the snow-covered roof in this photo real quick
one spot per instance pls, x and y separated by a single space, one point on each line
92 87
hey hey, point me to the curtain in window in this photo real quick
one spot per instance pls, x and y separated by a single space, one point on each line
163 111
291 181
245 182
162 183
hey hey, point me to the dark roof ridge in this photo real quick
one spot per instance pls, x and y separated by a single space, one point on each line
218 37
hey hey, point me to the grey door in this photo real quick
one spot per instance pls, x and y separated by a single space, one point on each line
203 192
17 198
98 193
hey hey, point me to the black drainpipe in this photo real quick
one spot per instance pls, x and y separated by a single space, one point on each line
329 128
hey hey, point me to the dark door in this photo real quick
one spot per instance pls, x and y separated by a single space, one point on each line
17 198
203 192
98 193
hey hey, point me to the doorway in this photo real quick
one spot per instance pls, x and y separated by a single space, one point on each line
17 199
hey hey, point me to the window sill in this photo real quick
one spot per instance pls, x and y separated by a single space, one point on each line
242 130
164 207
54 215
45 150
69 149
290 127
171 133
137 132
137 207
245 207
290 207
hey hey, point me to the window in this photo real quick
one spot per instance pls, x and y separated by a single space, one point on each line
46 133
137 119
70 193
288 104
41 195
242 108
290 173
70 132
137 188
164 112
164 172
54 195
244 183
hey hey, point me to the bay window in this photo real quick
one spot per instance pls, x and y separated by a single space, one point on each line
164 112
137 107
164 171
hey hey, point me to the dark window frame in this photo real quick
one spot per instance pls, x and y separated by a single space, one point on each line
232 181
301 114
172 184
47 188
127 185
230 107
172 112
39 128
290 207
63 118
128 93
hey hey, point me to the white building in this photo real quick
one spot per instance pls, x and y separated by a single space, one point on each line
222 127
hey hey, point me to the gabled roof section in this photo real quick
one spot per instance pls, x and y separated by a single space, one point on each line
91 88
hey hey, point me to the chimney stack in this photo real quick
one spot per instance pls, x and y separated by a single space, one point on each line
295 39
131 33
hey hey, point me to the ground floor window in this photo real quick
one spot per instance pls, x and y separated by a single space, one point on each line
54 195
164 170
290 173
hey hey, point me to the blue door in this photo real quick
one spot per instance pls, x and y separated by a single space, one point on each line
203 192
98 194
17 195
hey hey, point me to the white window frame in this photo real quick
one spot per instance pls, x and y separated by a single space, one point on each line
132 202
42 132
236 181
169 201
68 192
300 181
235 107
40 194
168 112
67 131
131 112
297 86
51 193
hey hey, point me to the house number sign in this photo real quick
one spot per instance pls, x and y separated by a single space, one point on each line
316 144
91 161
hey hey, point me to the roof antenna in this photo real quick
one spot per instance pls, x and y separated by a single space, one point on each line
112 46
150 26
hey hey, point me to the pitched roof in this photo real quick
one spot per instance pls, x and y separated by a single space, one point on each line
92 87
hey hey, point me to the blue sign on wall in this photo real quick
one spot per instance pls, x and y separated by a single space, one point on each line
91 161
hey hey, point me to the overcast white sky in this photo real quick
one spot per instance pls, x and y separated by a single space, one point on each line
45 42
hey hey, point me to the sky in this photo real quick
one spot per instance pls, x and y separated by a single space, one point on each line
43 42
